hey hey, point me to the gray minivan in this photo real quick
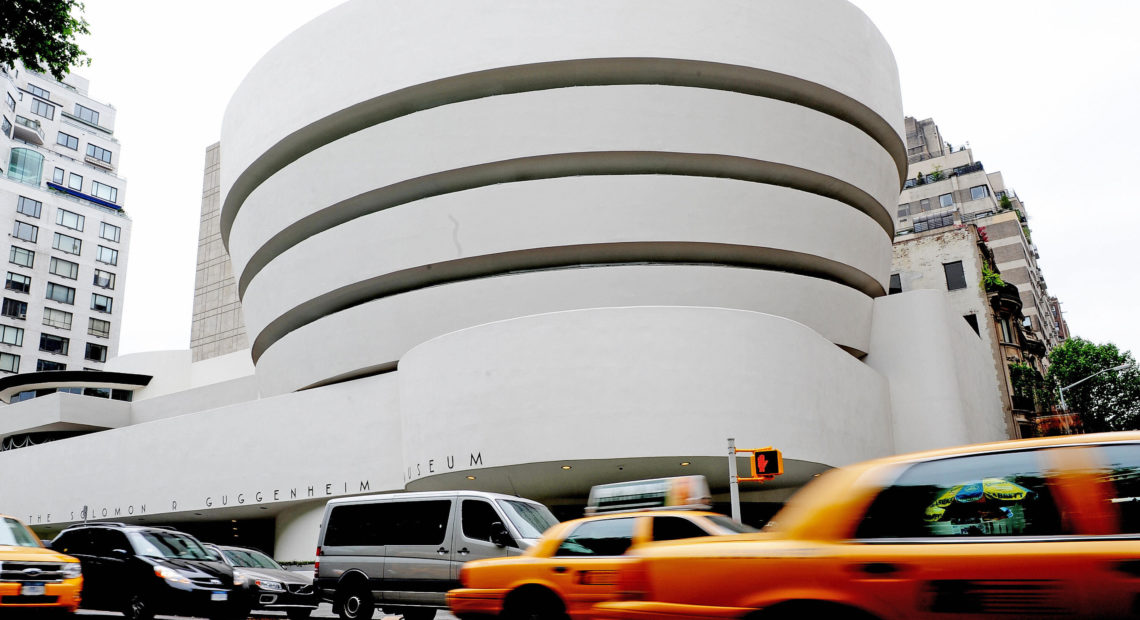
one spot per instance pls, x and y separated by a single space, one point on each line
401 552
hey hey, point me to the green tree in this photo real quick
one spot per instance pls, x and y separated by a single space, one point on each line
41 35
1109 401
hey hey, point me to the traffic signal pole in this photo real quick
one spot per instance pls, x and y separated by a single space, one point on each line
733 485
766 464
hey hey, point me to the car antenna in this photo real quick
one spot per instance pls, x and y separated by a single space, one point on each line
513 489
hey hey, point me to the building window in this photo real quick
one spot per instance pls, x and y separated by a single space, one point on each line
896 284
75 182
932 222
25 231
25 166
110 232
106 192
104 279
20 256
43 365
11 102
67 219
972 320
5 126
955 276
107 255
946 200
57 318
14 309
64 243
64 268
98 152
43 108
95 353
67 140
62 294
29 207
9 362
924 205
54 344
87 114
11 335
57 176
1006 329
18 282
904 209
39 92
979 191
99 327
101 303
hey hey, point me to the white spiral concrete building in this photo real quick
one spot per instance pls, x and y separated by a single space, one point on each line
603 233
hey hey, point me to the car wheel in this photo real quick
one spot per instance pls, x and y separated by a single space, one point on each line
138 607
299 613
542 605
418 613
356 603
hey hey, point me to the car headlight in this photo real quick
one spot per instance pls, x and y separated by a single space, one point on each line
266 584
170 575
71 570
240 578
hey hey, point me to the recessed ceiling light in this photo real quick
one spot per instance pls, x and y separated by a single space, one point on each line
565 467
685 463
470 477
265 507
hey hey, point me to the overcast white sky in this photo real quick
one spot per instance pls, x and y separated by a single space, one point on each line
1043 90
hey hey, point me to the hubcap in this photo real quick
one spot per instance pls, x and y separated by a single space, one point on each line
352 606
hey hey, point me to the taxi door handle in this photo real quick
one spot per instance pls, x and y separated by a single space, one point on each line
441 550
879 569
560 569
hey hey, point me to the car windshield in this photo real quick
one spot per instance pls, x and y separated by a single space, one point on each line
731 526
13 533
247 558
531 520
169 545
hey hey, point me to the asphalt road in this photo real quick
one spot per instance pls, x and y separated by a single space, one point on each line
324 611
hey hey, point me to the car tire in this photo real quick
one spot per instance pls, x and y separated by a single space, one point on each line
299 613
138 607
418 613
356 603
535 605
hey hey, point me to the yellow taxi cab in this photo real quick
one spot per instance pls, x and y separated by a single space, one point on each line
32 576
1029 528
574 564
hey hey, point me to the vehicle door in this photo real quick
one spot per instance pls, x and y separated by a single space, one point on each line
417 567
475 538
354 542
110 570
585 565
77 543
966 537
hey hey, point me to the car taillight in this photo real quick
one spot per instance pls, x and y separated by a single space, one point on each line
633 581
317 564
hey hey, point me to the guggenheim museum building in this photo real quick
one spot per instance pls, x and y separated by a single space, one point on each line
524 247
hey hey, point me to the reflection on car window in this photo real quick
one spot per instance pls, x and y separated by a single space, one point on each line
13 533
531 520
1122 471
249 559
604 537
1001 494
164 545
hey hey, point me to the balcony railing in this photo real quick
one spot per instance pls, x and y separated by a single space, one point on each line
942 176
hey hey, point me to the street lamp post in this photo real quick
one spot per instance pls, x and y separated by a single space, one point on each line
1061 391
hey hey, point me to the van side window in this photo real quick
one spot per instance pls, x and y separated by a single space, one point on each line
603 537
476 517
356 524
1123 472
418 523
997 494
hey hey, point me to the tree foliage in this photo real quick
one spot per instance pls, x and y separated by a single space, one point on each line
41 35
1107 402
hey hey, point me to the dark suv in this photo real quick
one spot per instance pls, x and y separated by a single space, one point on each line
143 571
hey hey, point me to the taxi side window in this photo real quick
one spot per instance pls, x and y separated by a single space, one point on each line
476 518
675 528
604 537
75 541
1122 470
997 494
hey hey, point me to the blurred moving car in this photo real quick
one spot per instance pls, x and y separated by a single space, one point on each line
143 571
574 564
266 585
1027 528
32 577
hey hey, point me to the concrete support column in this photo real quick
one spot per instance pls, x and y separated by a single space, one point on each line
297 530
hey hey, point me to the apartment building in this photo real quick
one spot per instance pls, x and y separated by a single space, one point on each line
61 202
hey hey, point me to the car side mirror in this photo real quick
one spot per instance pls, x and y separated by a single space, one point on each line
500 536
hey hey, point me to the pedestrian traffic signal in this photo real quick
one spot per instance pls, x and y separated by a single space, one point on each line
767 462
